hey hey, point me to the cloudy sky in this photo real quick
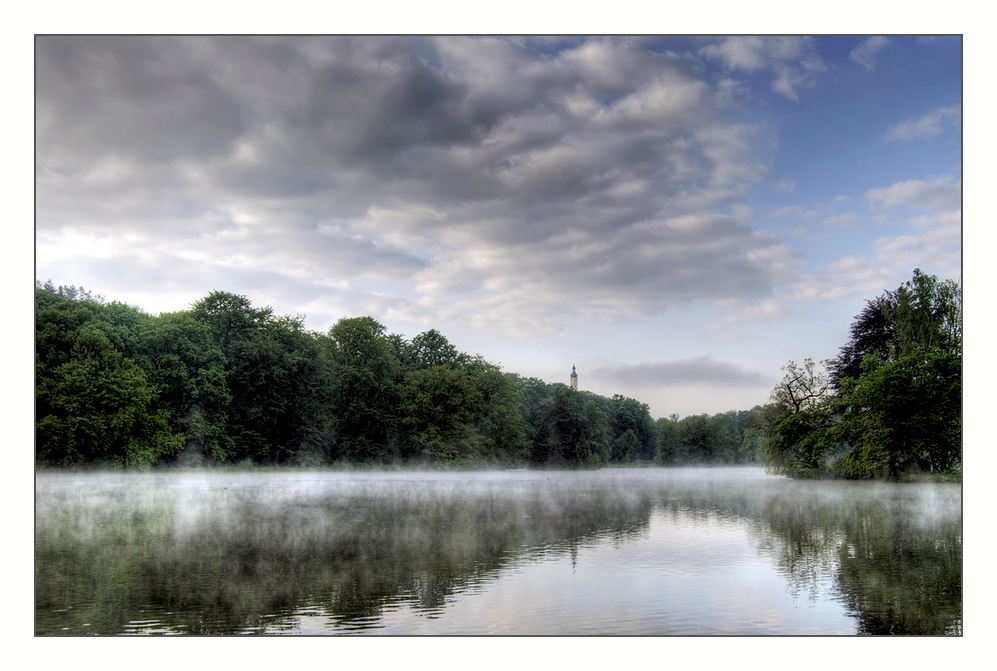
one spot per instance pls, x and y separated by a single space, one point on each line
677 216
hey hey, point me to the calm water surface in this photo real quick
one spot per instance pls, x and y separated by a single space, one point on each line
726 551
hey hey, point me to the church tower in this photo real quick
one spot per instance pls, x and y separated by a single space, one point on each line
574 377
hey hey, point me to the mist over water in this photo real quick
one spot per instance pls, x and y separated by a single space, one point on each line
615 551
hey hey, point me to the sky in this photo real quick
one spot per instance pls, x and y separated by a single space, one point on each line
678 217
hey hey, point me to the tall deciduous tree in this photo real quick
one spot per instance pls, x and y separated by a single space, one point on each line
99 407
189 368
366 392
903 416
870 333
431 348
499 426
926 316
441 402
237 328
633 430
557 432
799 443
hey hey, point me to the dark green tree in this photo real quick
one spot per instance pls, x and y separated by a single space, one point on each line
558 433
433 349
871 333
574 431
275 374
926 317
899 413
99 407
366 398
671 449
291 389
237 329
499 427
800 442
754 445
903 416
535 395
632 430
441 403
58 318
188 367
594 446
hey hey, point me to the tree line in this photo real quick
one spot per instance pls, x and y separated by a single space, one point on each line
889 405
225 382
228 383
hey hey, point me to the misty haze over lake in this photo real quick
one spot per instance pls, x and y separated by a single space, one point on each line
617 551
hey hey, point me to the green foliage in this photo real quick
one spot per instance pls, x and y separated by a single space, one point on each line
558 433
903 416
272 377
802 443
440 404
499 421
926 316
632 429
871 333
189 368
594 445
723 438
804 388
99 407
535 395
58 318
800 440
433 349
227 383
580 429
366 394
898 412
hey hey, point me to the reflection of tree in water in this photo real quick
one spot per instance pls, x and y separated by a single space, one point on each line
901 577
230 561
891 553
250 566
782 522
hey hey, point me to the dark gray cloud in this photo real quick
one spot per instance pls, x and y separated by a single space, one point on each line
702 370
482 174
129 97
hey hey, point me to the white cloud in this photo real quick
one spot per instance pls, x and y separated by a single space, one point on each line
793 60
936 243
935 218
865 52
932 211
931 124
759 312
847 278
937 192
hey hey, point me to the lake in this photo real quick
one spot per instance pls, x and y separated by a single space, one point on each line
619 551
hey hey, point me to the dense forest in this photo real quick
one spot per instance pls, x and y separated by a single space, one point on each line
889 405
228 383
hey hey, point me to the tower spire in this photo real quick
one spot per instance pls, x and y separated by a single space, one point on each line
574 377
